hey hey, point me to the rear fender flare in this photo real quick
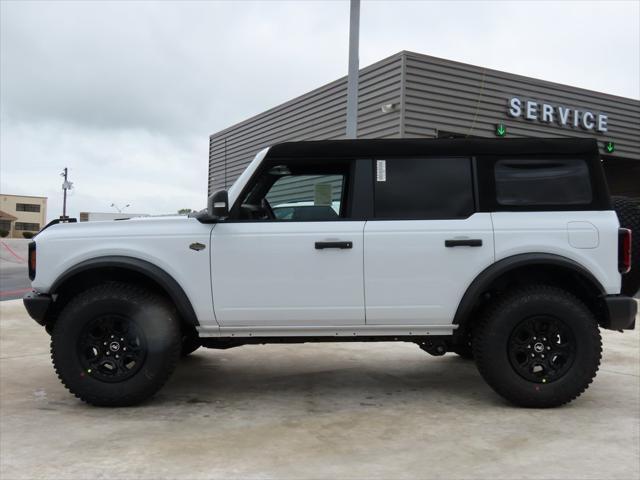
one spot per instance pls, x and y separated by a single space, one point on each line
484 280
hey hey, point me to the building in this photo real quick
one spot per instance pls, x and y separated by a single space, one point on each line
22 213
103 216
410 95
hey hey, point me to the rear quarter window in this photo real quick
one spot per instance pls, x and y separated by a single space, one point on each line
531 182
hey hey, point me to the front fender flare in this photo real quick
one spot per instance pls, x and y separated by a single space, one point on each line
148 269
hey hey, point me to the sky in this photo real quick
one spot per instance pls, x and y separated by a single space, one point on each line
126 94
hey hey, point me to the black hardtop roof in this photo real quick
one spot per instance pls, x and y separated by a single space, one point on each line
429 146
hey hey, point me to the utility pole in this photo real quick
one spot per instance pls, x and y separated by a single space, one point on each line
120 210
66 185
352 81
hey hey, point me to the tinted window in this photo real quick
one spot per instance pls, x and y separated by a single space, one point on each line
423 188
523 182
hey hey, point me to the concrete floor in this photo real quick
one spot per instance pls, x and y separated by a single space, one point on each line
313 411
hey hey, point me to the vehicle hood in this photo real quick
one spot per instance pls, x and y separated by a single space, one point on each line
156 226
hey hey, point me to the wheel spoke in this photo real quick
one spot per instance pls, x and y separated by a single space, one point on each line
541 349
112 348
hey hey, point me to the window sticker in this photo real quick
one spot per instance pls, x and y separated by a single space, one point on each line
381 170
322 194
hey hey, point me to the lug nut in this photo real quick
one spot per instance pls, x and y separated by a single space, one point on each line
548 348
541 356
535 338
108 353
533 355
119 357
122 339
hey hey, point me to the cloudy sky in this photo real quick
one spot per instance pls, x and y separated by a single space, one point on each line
126 93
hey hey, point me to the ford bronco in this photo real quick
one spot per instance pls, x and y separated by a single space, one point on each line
507 251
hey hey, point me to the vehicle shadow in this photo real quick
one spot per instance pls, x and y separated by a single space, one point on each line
252 376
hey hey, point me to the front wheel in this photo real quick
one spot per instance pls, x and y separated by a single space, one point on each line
538 347
115 344
190 343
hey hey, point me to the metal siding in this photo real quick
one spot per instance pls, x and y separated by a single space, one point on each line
469 100
317 115
431 95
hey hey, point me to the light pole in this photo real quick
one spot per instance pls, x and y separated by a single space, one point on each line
352 80
66 185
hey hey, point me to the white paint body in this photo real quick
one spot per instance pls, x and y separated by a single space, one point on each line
267 278
412 278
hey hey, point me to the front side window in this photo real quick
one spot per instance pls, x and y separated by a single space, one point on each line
297 193
530 182
423 188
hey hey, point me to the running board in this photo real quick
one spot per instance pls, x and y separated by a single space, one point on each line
332 331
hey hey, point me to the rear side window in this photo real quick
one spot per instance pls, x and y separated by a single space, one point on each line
423 188
531 182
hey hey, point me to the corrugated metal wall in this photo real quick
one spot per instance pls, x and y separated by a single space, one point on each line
431 95
317 115
469 100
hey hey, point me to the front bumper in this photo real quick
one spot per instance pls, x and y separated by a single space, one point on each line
621 312
37 305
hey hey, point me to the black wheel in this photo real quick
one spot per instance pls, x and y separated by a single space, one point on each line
115 344
190 343
538 347
628 211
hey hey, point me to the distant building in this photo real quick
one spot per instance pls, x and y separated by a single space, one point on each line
22 213
104 216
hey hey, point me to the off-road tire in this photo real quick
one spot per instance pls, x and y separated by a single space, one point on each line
463 351
463 347
147 313
494 334
190 343
628 211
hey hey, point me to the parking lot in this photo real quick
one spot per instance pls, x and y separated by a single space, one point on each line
313 411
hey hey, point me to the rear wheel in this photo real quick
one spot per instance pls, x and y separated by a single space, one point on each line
463 348
538 347
115 344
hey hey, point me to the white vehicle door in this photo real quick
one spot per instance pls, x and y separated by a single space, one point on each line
426 243
290 255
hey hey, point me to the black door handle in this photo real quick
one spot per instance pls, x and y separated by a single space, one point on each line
467 242
341 245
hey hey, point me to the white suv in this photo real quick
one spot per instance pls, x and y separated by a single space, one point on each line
506 251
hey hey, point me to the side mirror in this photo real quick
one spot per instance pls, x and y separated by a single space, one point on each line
218 205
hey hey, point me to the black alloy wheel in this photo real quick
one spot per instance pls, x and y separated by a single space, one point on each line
115 344
538 346
111 348
542 349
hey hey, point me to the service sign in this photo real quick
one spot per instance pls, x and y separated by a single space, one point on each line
556 114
